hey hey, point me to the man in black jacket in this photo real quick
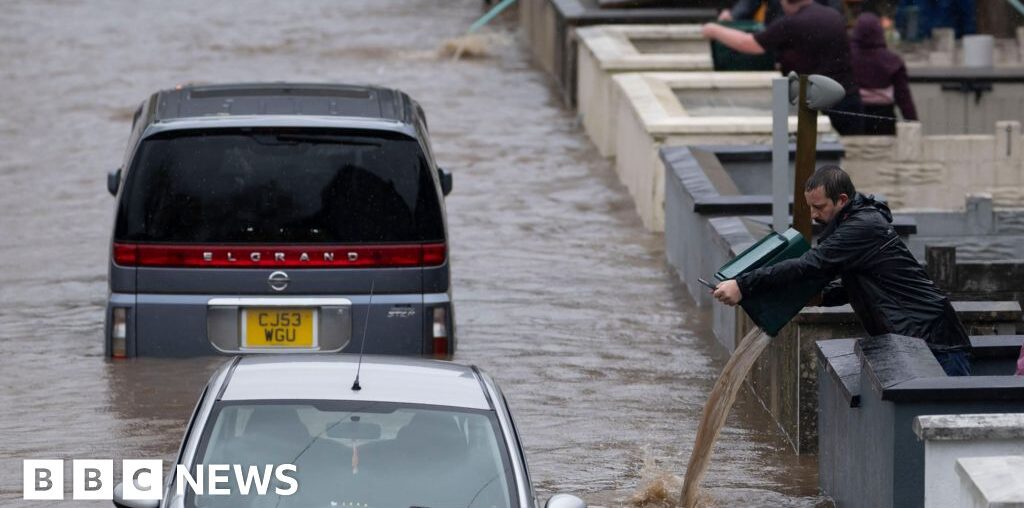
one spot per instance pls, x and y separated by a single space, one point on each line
887 288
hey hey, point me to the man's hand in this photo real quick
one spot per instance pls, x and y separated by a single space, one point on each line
728 292
710 30
725 15
735 39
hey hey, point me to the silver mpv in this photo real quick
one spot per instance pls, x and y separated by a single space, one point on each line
278 217
416 433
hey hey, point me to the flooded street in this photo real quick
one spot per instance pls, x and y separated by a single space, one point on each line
561 295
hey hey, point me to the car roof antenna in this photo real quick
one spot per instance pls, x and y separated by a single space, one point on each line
359 367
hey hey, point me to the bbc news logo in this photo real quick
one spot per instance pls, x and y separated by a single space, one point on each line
143 479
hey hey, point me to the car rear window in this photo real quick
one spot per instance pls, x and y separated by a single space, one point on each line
279 186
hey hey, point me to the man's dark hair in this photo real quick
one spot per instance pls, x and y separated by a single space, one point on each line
834 180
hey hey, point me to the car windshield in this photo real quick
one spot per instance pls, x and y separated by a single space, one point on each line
366 454
279 185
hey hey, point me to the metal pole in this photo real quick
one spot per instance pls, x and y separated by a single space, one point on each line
780 154
806 149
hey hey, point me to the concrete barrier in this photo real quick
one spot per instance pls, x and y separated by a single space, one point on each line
950 437
928 172
690 108
991 482
869 392
549 27
607 50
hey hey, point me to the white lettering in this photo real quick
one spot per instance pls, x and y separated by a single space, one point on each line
182 475
281 477
141 479
89 479
207 256
329 256
217 476
304 257
43 479
252 476
92 480
231 257
278 256
145 487
255 257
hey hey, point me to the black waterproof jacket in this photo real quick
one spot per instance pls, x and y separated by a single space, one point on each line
881 280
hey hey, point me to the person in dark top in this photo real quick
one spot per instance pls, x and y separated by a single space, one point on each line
881 77
809 39
746 10
879 277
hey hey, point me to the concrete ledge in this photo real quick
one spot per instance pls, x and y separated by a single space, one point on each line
651 114
969 427
607 50
549 27
994 482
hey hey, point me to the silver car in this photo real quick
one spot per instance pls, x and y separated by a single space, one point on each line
407 433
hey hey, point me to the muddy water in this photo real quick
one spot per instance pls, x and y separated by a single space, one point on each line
561 295
717 409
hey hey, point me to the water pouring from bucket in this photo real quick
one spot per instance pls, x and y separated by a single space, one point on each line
770 313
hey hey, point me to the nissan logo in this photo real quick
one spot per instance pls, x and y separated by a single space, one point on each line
278 281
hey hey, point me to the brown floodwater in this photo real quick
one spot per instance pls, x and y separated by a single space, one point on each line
560 293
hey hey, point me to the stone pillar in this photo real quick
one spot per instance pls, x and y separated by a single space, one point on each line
908 142
941 266
944 40
1020 43
980 213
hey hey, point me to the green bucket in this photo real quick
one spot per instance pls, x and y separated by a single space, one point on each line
772 311
724 58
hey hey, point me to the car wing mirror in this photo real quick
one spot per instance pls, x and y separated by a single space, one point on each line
121 502
565 501
114 181
446 181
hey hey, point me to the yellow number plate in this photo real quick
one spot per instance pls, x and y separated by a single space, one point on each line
279 328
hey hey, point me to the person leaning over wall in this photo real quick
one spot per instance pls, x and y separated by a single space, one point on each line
809 39
878 276
764 11
881 77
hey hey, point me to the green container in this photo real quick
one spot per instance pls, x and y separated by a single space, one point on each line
724 58
772 311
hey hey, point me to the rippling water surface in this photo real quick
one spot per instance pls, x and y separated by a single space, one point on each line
561 295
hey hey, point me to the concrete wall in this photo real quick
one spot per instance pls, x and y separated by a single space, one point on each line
549 27
980 231
868 453
606 50
649 116
991 482
950 437
918 172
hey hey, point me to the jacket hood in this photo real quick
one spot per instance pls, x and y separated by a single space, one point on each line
862 203
867 33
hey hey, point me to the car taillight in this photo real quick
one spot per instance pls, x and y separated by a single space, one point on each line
271 256
119 332
440 332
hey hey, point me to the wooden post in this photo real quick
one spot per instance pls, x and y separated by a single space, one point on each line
806 150
941 266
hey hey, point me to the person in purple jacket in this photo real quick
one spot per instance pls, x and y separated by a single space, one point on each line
881 77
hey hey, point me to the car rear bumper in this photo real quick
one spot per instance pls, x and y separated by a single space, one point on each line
195 325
